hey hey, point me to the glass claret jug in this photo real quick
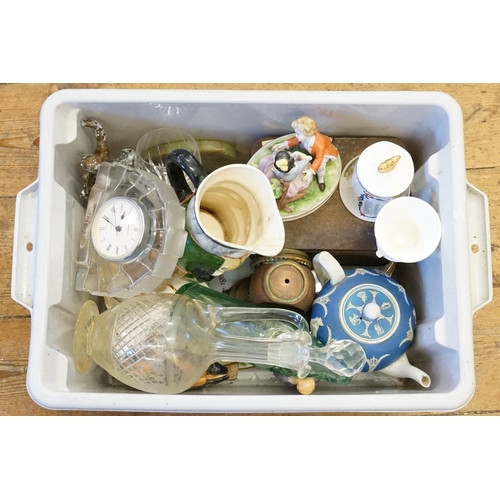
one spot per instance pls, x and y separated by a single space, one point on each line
162 343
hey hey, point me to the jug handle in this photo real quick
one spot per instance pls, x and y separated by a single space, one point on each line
327 268
178 163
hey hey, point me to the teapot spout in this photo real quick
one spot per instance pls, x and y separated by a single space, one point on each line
402 368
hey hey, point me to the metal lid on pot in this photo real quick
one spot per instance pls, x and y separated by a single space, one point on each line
385 169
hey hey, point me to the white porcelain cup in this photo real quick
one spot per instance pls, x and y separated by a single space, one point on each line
384 171
407 229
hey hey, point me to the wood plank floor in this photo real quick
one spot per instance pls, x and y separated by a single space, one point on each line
19 145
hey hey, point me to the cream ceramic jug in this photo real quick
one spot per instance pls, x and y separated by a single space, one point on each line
232 212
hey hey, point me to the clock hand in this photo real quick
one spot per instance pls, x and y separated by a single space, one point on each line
117 228
107 220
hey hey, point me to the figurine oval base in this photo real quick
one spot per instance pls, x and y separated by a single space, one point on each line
314 198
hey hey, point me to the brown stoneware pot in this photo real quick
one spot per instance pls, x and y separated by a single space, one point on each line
285 280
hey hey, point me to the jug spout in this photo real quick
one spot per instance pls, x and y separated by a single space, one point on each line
402 368
272 239
251 207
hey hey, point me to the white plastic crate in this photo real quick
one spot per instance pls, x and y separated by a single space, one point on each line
447 288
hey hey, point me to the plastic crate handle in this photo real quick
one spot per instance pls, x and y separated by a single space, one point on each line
23 254
478 221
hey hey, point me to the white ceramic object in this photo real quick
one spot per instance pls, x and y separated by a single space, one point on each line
315 197
407 230
446 290
233 215
383 171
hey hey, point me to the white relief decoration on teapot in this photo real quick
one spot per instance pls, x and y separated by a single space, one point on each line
374 362
362 271
409 334
354 319
315 323
396 284
365 328
366 333
352 306
330 337
390 319
402 290
324 300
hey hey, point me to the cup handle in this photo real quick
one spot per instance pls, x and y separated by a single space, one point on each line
178 163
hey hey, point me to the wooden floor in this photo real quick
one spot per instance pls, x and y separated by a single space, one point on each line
19 142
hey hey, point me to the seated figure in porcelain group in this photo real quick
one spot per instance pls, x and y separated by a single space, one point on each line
315 143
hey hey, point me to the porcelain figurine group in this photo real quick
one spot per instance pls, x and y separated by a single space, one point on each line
167 227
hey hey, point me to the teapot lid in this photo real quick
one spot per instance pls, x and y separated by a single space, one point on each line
370 313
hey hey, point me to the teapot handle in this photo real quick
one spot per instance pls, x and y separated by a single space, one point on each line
178 163
327 268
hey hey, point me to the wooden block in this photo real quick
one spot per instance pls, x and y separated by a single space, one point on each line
332 227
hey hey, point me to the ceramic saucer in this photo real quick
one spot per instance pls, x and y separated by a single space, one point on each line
347 192
315 198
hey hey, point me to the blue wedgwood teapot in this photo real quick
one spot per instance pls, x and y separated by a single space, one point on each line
368 306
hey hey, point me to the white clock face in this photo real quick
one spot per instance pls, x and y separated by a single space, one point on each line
118 228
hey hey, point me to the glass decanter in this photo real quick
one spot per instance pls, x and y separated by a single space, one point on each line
264 329
162 343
